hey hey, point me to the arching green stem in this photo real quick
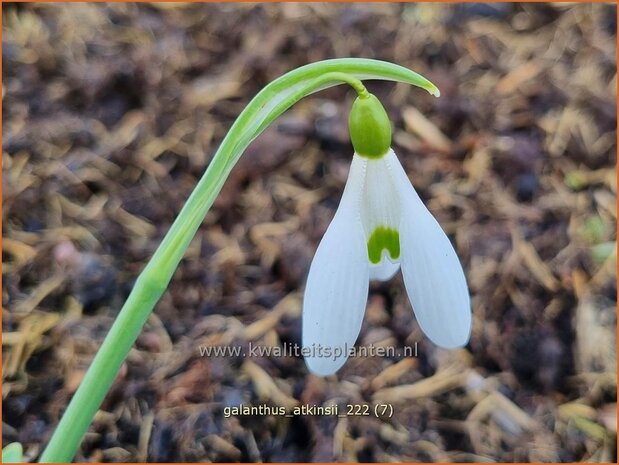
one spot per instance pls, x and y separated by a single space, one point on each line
267 105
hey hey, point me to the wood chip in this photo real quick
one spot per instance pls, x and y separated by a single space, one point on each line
417 123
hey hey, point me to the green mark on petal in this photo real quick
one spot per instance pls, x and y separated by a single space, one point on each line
383 238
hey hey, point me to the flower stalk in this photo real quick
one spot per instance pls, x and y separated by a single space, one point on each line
263 109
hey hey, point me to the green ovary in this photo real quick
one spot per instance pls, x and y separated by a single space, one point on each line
383 238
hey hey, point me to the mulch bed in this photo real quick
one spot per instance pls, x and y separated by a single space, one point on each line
111 114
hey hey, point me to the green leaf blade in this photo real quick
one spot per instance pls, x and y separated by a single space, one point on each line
13 453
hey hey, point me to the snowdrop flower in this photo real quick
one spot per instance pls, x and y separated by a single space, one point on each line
380 226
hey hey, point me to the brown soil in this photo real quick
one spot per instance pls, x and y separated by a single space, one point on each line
111 114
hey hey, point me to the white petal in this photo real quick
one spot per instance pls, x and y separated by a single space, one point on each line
381 204
337 286
432 272
385 270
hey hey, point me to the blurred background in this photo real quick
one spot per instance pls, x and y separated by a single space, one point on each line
112 112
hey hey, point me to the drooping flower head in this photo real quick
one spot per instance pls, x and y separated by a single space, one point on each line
380 226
